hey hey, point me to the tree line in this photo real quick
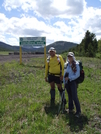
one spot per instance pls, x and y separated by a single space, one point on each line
89 46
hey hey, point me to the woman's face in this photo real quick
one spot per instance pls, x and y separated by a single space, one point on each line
70 58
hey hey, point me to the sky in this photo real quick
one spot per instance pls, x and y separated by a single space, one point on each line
57 20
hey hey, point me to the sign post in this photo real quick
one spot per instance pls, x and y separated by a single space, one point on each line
32 42
20 55
45 55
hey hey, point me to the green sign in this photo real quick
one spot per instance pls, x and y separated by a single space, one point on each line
32 41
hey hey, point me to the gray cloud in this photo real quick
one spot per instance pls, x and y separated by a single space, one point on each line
26 31
76 7
94 23
80 17
98 33
45 8
32 32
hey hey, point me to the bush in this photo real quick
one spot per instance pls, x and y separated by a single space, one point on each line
98 55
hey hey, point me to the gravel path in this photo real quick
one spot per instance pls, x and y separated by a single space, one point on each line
9 58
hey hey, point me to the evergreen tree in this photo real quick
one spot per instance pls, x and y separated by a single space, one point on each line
99 46
88 46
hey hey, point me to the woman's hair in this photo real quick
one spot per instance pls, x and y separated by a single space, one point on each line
73 64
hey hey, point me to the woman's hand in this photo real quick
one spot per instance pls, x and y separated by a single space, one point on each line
66 78
61 77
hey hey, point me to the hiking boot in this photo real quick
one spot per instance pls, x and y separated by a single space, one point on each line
65 101
71 111
52 92
77 114
52 102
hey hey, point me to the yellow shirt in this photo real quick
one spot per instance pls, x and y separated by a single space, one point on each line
53 66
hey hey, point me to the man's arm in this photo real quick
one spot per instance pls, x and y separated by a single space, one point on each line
46 70
62 65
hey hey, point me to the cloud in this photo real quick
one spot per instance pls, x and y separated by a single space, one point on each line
17 4
25 26
67 20
12 41
3 23
91 19
11 5
2 38
48 8
30 26
64 29
30 32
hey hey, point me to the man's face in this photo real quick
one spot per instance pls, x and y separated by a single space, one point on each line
52 53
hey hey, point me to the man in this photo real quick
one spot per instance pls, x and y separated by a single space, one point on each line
54 71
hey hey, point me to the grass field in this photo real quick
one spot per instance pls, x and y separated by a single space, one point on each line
25 100
4 52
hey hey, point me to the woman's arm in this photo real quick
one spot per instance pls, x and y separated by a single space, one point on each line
76 74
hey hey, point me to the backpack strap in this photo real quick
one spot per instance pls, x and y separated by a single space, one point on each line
58 59
65 65
48 60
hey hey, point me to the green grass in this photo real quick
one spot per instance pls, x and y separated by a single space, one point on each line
4 52
25 100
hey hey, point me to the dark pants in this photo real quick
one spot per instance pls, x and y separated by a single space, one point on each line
53 78
71 88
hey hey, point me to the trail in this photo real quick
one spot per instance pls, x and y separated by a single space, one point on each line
9 58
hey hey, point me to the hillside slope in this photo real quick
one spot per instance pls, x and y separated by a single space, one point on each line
60 47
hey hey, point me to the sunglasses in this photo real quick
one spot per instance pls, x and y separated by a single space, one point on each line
69 56
51 51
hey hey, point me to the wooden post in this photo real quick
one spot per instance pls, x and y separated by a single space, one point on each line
45 54
20 55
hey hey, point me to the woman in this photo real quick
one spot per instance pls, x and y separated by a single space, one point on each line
72 72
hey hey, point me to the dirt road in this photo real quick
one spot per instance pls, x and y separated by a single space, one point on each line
8 58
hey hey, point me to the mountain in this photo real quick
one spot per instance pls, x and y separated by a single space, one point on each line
60 47
7 47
